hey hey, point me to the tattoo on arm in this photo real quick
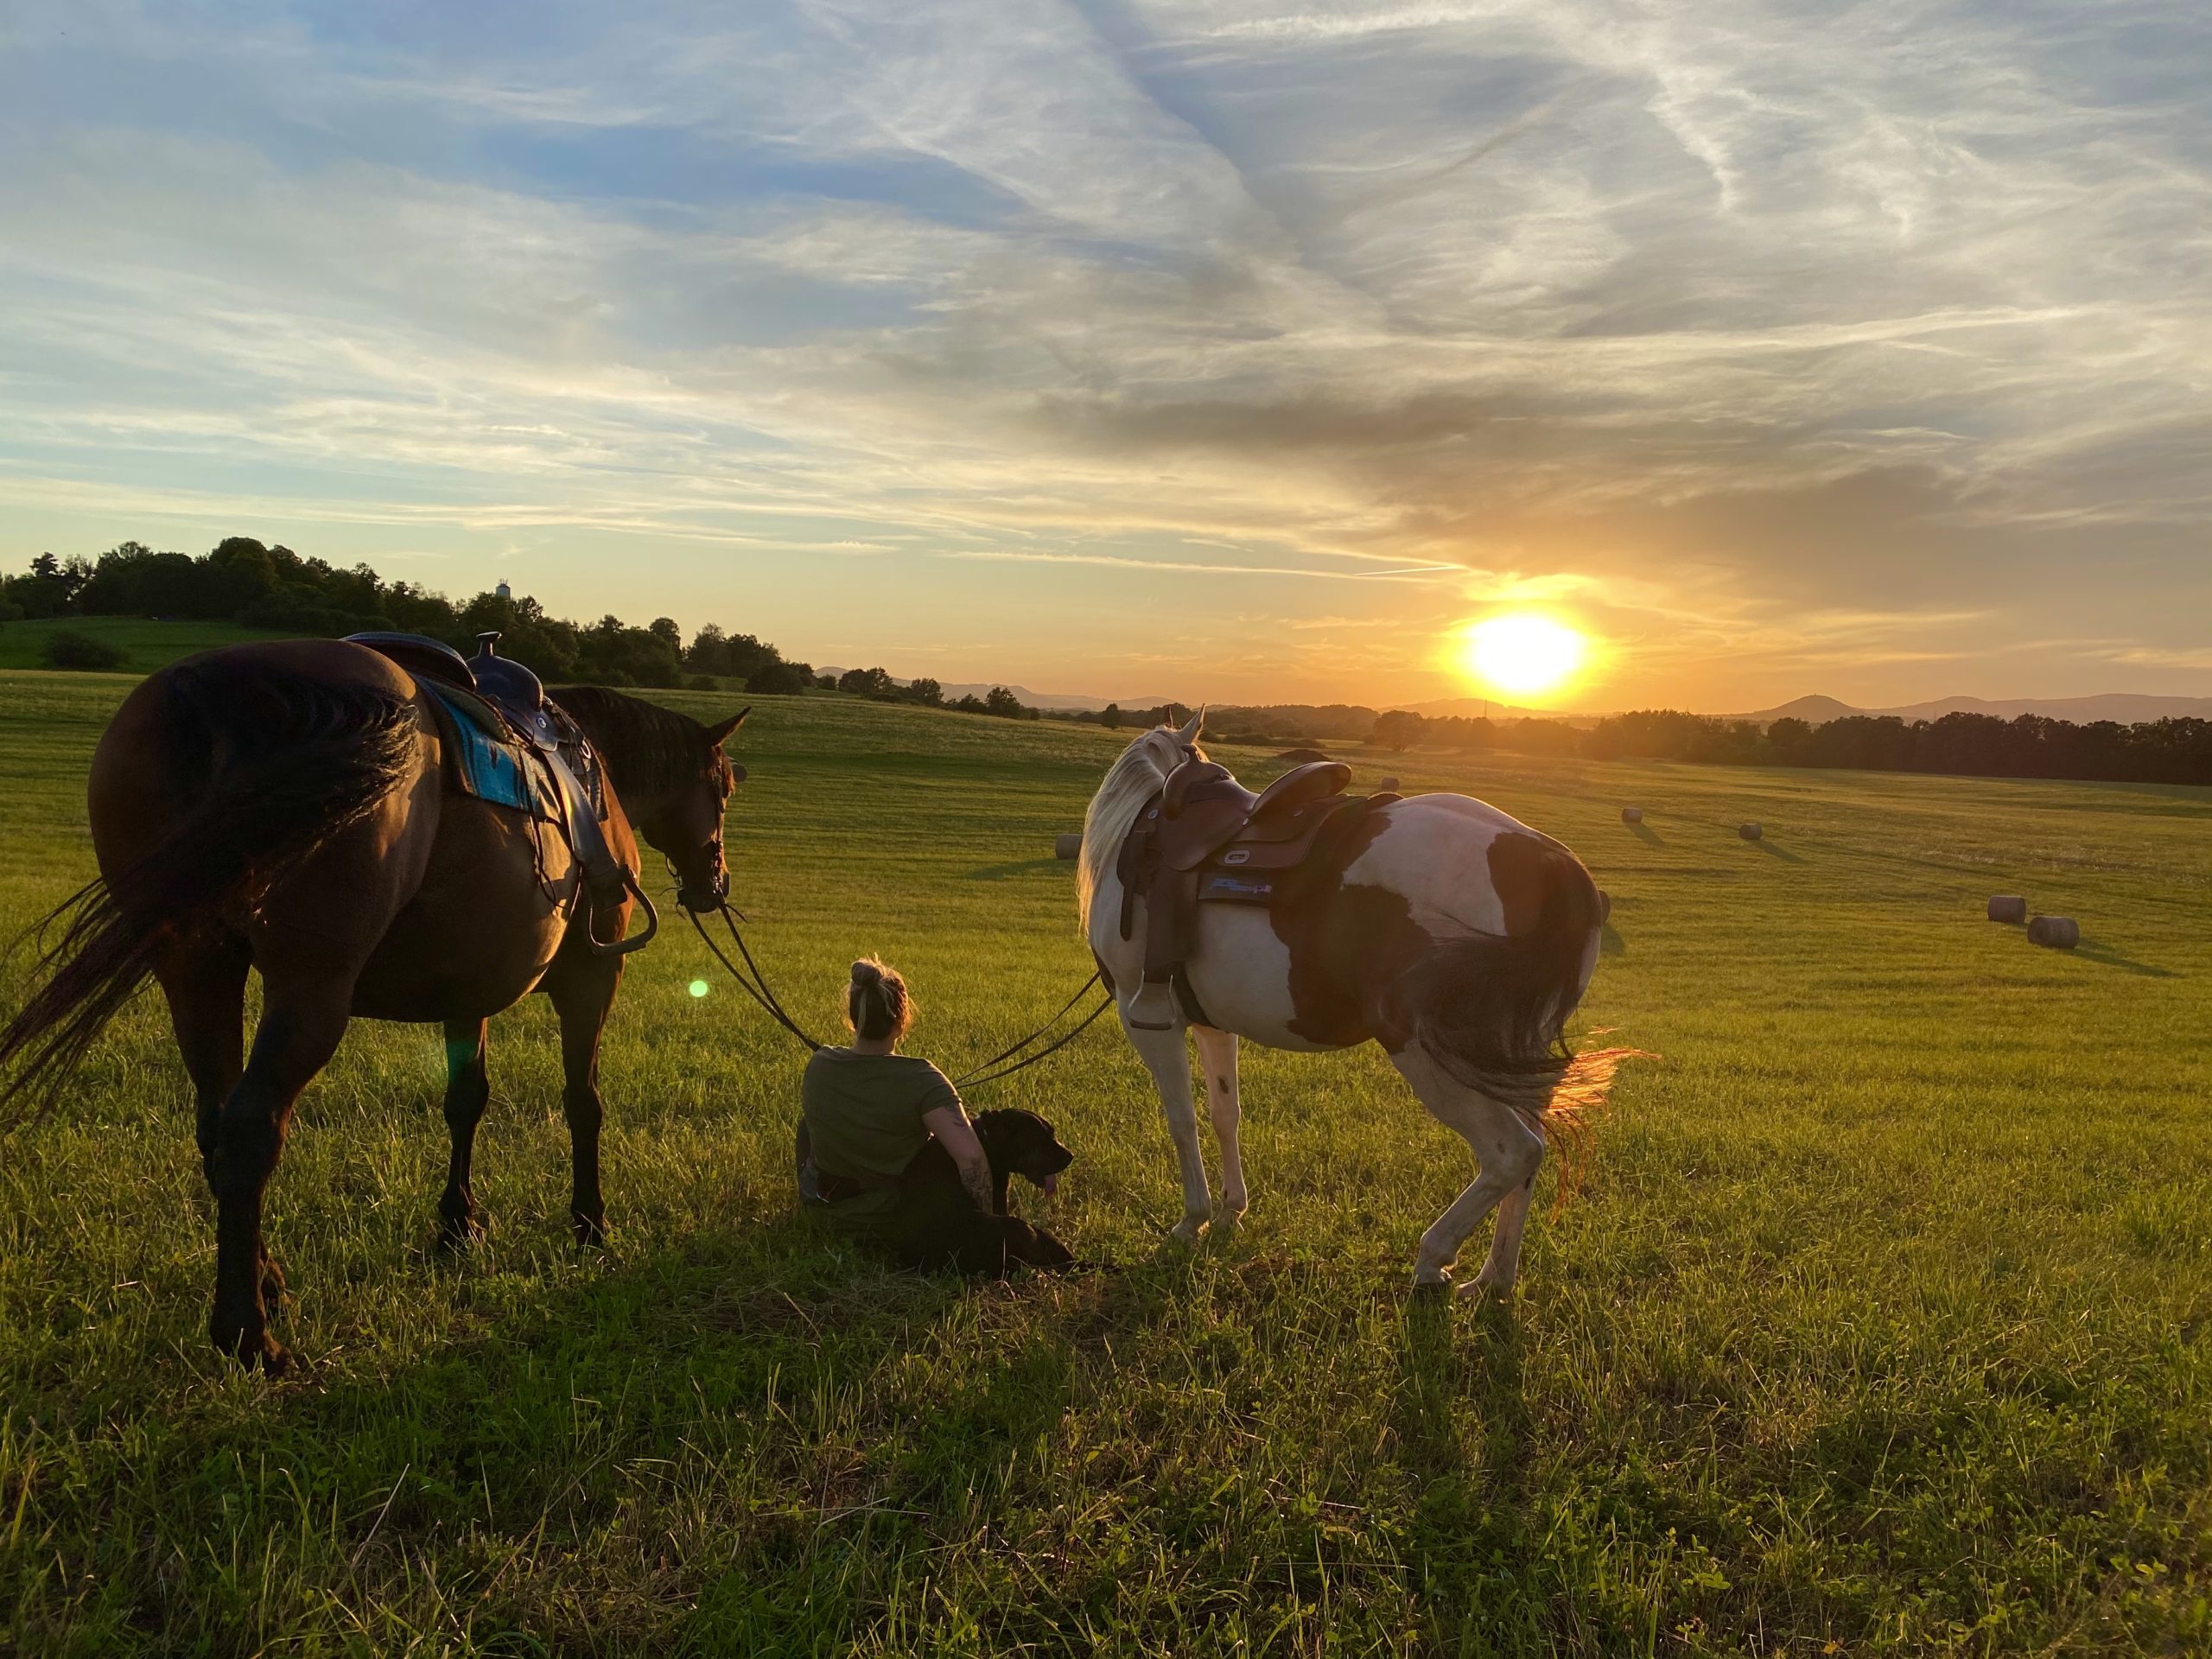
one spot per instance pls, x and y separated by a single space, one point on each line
976 1178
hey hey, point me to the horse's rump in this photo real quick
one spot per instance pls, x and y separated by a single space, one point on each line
265 766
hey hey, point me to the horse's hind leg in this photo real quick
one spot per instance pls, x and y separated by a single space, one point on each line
203 980
299 1032
1218 1054
1509 1152
468 1086
582 988
1504 1263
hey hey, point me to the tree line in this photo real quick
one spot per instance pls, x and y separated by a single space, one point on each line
2173 751
255 585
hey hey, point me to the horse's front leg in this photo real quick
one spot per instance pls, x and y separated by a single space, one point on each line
1218 1054
1169 1061
468 1087
582 988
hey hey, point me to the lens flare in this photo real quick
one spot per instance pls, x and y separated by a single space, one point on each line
1521 652
700 987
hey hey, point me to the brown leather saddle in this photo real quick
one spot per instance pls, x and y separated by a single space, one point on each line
506 731
1206 838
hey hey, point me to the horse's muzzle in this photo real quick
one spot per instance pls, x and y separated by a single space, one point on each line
702 898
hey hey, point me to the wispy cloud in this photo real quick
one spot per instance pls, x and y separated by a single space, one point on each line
1720 335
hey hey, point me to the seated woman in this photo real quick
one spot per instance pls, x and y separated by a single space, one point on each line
872 1113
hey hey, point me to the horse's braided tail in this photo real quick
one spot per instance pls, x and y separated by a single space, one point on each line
268 767
1491 1010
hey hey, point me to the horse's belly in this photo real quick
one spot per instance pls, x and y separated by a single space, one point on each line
479 932
1241 973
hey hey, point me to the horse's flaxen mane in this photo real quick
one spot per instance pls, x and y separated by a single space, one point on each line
650 750
1128 784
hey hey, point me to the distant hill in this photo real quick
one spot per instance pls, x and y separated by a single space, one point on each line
1474 708
1065 702
1069 702
2129 709
146 645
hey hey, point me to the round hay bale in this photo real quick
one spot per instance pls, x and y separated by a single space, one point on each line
1068 846
1750 831
1386 784
2059 932
1605 907
1631 815
2008 907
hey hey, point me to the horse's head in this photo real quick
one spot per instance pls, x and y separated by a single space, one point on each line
673 779
683 821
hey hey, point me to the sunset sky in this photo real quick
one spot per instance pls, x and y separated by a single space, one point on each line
1232 350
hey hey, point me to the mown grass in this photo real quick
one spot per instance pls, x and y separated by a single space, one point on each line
1878 1325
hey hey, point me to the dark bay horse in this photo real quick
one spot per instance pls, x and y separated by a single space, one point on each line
285 807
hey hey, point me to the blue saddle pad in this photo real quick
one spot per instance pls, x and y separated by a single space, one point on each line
491 769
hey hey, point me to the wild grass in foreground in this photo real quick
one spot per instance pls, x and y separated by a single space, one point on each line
1879 1323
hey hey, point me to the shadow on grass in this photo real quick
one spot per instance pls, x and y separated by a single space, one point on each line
2091 951
1020 866
1609 942
766 1371
1437 1380
1781 853
1647 835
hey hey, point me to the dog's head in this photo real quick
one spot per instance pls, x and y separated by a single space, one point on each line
1022 1143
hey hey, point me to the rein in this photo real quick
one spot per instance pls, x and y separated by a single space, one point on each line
756 985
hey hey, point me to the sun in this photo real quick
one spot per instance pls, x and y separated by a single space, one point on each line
1522 651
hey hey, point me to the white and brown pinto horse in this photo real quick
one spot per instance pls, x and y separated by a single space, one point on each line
1445 930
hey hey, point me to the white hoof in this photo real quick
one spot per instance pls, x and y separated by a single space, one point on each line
1188 1231
1428 1276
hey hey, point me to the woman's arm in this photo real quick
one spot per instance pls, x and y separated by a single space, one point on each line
950 1125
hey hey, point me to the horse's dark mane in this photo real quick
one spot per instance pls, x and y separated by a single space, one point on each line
649 749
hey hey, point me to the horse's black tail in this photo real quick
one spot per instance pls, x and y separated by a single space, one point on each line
1491 1010
268 766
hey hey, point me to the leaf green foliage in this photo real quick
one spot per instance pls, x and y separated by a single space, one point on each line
1881 1323
252 586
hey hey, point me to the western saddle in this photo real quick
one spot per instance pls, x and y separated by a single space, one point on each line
488 699
1204 837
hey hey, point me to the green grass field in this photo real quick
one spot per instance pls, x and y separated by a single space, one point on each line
1882 1321
147 645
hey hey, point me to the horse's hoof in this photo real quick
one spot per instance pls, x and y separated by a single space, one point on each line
457 1233
1189 1231
1479 1289
252 1348
591 1231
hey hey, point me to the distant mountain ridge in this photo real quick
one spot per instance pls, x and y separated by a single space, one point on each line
2127 708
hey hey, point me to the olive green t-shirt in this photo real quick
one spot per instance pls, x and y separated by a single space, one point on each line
864 1117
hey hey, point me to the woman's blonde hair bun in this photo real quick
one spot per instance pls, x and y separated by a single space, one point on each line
877 1003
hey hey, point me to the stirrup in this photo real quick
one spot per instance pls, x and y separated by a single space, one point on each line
1153 1008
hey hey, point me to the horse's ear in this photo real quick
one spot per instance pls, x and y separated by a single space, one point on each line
1189 734
719 734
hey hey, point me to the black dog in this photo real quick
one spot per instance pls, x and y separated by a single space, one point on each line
939 1223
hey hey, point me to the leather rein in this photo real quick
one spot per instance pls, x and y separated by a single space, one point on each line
756 985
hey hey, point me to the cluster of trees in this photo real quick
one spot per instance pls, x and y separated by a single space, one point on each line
877 684
248 583
255 585
2032 745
